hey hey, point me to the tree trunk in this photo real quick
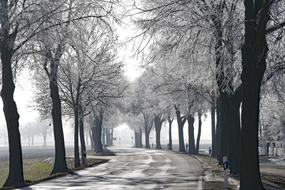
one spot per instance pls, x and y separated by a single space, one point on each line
191 138
82 139
180 121
147 128
60 156
157 124
218 131
199 132
76 141
146 132
181 138
235 129
170 133
136 139
140 138
108 134
15 176
225 124
104 136
97 133
229 126
157 135
254 53
250 174
213 125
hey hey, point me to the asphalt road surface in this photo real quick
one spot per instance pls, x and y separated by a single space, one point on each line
134 169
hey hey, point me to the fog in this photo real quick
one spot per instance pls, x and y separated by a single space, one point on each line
123 134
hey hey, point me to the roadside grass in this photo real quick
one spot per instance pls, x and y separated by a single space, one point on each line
213 176
36 170
4 168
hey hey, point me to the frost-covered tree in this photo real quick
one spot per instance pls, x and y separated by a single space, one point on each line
202 31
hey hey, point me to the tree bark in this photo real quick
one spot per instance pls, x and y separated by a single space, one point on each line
170 132
76 140
147 128
15 176
229 129
108 134
136 139
180 121
225 124
254 54
157 124
235 129
60 156
97 133
146 132
140 139
199 132
213 126
191 138
82 139
218 131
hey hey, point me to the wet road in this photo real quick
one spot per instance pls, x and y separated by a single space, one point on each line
134 169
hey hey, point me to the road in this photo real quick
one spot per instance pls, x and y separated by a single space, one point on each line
134 169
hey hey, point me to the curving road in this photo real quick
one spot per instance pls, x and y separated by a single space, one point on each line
134 169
